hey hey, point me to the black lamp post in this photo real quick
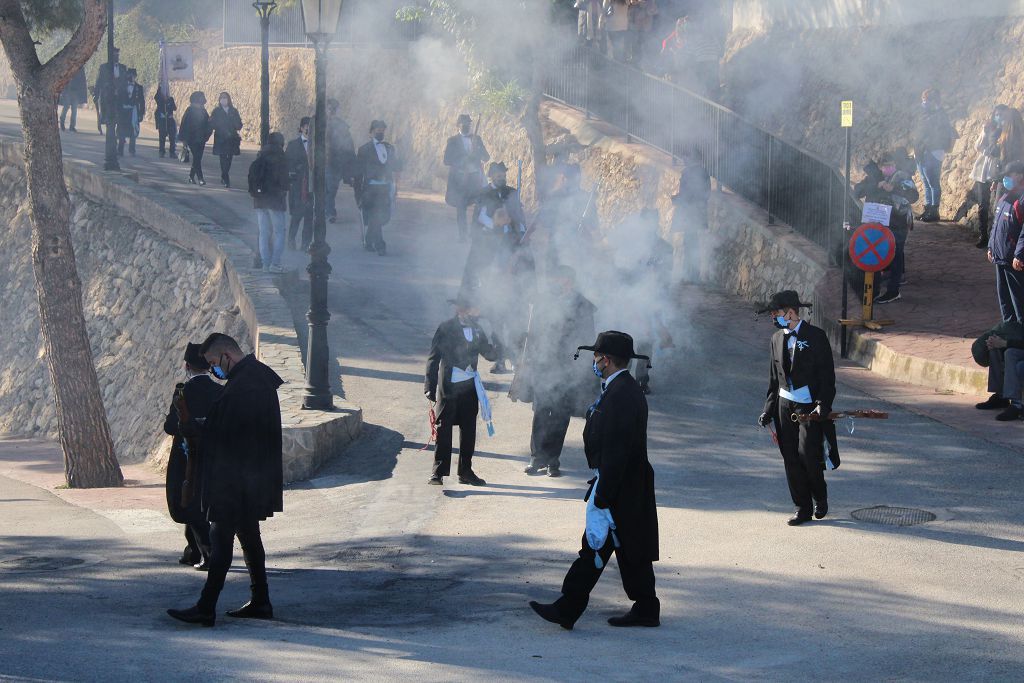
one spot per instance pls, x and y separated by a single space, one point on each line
108 98
320 18
264 8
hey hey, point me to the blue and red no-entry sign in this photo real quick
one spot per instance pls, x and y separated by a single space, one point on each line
872 247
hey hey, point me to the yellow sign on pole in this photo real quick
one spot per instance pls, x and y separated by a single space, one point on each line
846 111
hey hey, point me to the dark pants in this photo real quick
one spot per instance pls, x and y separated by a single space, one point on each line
637 580
547 436
304 215
980 194
197 535
168 136
462 219
222 548
482 252
803 456
899 263
225 166
333 181
1010 290
459 410
931 172
376 207
125 133
64 113
197 150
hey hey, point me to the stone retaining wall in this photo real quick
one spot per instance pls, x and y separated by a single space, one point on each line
154 276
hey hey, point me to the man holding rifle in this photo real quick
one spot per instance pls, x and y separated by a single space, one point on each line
192 400
464 155
801 382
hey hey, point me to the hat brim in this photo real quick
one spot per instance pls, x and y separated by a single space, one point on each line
595 349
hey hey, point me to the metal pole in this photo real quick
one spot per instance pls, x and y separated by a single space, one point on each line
768 183
109 109
318 385
844 339
264 10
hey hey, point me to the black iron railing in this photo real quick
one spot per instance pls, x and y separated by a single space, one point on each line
791 184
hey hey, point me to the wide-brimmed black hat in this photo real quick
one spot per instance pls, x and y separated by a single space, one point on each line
463 300
464 118
781 301
497 166
194 358
376 123
613 343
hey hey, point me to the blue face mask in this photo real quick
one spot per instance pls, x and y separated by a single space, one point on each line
781 322
217 370
1008 183
597 370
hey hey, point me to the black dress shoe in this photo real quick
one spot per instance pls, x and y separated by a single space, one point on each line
192 615
251 610
534 470
798 519
994 402
1010 414
203 566
820 509
190 557
435 481
471 479
551 613
554 472
634 618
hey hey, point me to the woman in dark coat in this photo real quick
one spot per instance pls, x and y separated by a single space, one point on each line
194 131
72 97
226 123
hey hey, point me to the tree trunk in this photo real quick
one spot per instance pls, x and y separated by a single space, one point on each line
534 130
89 459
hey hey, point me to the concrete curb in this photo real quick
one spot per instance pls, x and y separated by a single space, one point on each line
311 438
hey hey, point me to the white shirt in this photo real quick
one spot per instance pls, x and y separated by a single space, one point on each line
791 340
467 142
382 151
467 332
305 142
607 382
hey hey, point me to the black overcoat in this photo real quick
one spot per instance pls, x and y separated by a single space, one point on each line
465 176
226 124
300 195
242 468
201 392
615 441
449 349
195 129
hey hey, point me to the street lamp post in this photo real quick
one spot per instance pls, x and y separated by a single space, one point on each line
264 8
320 18
108 98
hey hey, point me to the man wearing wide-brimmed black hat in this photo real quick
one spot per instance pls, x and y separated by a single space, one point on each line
464 155
622 515
199 393
802 380
453 382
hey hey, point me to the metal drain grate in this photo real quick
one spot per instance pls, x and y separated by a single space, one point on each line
893 516
34 563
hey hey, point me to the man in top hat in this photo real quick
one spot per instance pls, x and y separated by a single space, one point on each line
464 155
453 382
802 380
622 515
376 185
199 393
499 223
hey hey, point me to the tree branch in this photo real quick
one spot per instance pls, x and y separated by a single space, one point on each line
17 41
61 68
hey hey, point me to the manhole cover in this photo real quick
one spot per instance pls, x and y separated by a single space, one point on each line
893 516
35 563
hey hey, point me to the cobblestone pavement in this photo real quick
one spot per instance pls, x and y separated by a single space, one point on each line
376 575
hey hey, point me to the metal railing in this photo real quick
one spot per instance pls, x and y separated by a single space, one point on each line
362 22
792 185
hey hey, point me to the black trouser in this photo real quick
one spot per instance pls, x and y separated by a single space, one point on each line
461 217
64 114
125 132
458 410
547 436
1010 293
333 182
482 252
197 534
222 548
803 456
637 580
302 214
197 150
225 166
983 196
376 207
169 134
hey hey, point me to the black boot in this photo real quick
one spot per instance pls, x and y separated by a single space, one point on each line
258 607
193 615
961 213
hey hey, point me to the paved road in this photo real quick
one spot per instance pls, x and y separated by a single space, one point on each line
377 575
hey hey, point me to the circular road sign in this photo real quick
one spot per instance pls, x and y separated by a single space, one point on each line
872 247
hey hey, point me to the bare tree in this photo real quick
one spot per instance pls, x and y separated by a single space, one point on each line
89 458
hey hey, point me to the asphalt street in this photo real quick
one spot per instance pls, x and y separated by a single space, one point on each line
376 575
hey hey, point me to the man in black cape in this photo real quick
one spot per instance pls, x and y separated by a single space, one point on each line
801 381
242 475
464 155
451 378
615 441
200 393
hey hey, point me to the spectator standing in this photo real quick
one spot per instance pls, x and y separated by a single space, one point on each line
1010 145
268 185
588 23
341 156
300 195
166 126
131 108
690 218
464 155
641 23
982 175
616 26
110 73
71 98
194 132
933 138
1005 248
227 142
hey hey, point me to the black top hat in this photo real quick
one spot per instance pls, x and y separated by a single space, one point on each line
613 343
497 166
463 299
464 118
781 301
194 358
376 123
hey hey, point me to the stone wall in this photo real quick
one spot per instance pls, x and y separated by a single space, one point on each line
144 297
792 82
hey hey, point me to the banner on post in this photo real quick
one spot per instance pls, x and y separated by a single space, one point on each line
177 61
